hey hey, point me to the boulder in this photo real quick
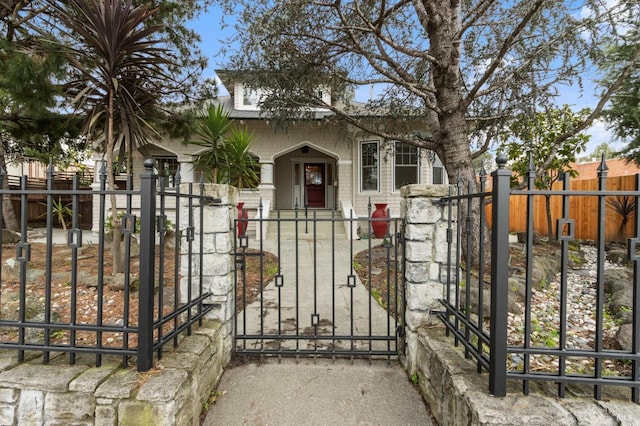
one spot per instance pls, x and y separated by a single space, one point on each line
617 256
617 279
624 337
10 237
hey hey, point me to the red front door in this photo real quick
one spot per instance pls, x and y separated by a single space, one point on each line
314 179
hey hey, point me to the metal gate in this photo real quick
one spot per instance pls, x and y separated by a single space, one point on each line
304 288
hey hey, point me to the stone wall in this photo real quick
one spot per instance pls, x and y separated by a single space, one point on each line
172 393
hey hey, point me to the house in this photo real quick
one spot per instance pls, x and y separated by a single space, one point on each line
317 163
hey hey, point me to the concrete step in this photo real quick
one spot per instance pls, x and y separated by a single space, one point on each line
318 224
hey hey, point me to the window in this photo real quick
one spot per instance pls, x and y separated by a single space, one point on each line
437 171
249 97
166 168
369 174
406 165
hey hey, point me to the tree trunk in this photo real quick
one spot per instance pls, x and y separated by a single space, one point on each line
447 120
117 233
8 213
547 204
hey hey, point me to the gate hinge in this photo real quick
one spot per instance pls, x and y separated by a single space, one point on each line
400 331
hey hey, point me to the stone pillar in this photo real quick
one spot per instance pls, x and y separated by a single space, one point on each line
426 259
217 234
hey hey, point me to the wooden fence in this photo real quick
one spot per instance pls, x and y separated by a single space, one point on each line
582 209
36 202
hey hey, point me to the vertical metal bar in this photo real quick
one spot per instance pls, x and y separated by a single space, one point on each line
369 267
74 240
482 221
297 279
467 290
333 279
176 254
261 260
351 301
564 259
2 197
161 228
458 252
315 281
600 296
49 256
499 278
101 243
23 257
531 178
147 265
635 339
282 283
449 254
200 254
128 229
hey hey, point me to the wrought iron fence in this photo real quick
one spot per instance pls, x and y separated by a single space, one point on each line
529 331
62 295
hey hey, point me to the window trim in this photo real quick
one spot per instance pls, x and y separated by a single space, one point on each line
394 166
361 166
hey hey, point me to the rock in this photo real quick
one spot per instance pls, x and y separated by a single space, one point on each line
624 337
36 335
543 270
512 306
617 279
617 256
117 282
621 300
517 286
10 237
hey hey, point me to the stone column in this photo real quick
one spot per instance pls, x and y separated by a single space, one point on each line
425 257
217 234
186 170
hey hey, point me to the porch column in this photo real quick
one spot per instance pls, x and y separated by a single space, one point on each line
347 178
186 170
266 173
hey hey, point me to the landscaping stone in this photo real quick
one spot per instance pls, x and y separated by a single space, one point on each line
617 279
10 237
617 256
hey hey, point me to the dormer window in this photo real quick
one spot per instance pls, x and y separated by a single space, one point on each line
249 97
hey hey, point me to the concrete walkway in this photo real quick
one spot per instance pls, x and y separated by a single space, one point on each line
315 281
321 392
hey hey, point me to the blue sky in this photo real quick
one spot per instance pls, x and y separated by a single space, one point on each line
209 28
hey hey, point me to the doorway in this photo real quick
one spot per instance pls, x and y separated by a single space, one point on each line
314 184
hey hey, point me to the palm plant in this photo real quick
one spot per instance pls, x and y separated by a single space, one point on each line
211 128
225 157
119 73
625 206
241 167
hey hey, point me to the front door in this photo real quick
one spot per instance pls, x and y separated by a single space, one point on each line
314 177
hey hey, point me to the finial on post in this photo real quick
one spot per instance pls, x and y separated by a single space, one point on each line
149 163
501 160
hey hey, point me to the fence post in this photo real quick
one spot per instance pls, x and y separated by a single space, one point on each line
499 278
147 265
